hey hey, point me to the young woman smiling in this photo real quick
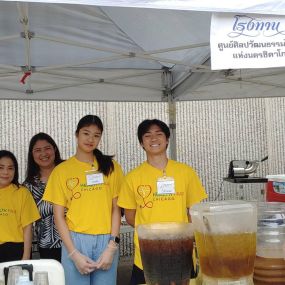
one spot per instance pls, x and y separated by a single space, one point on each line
17 212
43 156
87 185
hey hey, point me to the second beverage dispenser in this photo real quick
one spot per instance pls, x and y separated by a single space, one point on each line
225 235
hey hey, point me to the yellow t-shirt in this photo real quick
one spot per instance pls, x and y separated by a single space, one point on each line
17 210
139 192
89 208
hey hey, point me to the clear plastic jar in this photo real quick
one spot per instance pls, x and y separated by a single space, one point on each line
269 265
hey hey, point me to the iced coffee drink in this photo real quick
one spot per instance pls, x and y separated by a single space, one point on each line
166 251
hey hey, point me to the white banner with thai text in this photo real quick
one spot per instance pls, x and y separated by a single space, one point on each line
247 41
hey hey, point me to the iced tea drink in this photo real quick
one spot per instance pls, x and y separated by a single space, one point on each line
269 271
229 256
167 253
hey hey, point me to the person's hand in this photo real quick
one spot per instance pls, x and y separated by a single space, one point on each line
105 261
83 263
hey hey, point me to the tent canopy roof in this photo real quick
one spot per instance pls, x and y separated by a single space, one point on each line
97 50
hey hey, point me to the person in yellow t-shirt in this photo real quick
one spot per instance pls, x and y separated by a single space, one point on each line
143 195
18 211
84 191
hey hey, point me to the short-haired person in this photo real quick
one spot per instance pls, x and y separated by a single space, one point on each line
143 195
43 157
18 211
87 185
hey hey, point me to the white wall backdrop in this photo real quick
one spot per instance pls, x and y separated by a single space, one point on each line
213 133
209 134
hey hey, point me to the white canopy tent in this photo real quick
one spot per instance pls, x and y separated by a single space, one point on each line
151 51
122 51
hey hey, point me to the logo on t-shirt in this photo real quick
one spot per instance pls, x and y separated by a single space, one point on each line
144 192
71 184
6 212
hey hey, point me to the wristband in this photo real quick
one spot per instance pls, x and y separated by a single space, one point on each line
70 254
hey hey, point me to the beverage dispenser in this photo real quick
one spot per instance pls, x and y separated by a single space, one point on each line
225 235
166 251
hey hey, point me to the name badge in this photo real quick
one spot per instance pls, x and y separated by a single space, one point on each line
165 186
94 178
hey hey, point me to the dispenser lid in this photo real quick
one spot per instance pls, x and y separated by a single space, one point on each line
217 207
224 217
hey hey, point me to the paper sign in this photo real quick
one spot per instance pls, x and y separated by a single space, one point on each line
247 41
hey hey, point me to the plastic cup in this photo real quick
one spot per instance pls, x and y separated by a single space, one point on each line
41 278
13 275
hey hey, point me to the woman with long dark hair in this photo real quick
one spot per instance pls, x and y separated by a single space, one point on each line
87 186
43 156
18 211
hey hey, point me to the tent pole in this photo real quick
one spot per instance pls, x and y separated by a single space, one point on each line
167 82
172 126
26 35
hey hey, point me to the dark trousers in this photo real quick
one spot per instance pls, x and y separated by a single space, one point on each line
11 251
50 253
137 276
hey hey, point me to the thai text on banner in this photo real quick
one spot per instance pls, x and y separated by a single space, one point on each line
247 41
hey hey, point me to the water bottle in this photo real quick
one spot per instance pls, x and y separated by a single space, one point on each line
24 280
